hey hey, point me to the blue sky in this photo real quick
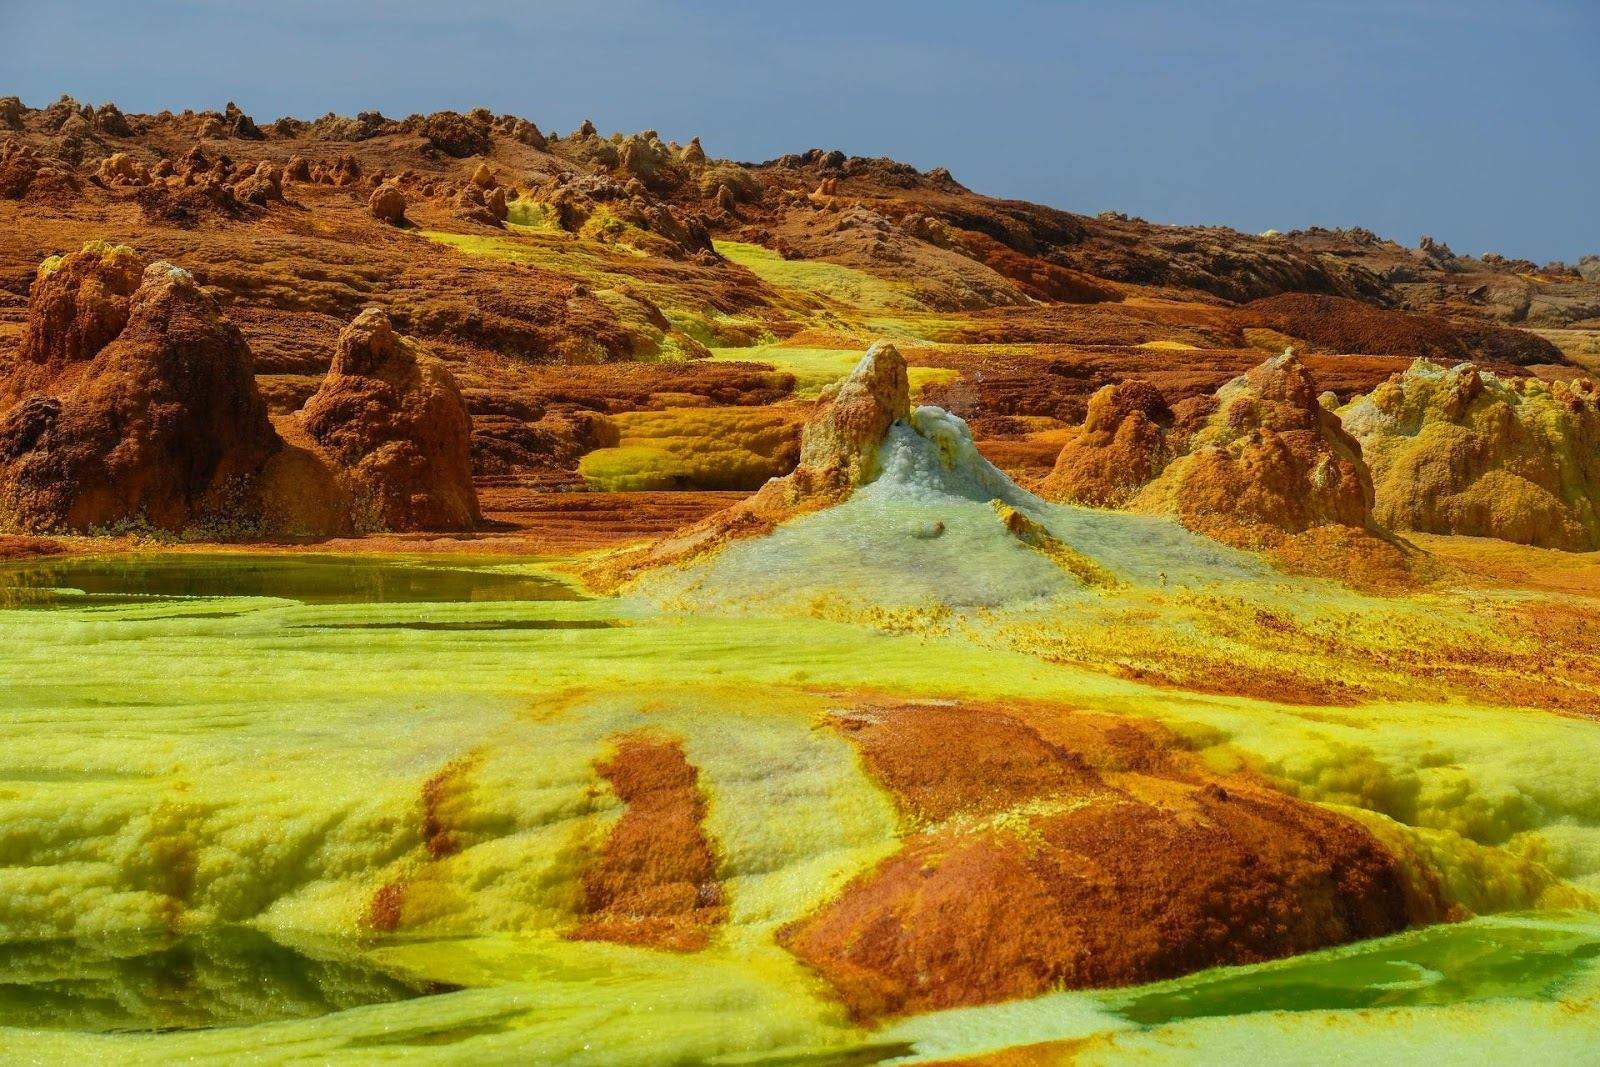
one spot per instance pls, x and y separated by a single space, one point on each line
1476 121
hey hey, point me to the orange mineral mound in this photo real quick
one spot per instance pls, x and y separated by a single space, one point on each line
1465 451
1262 465
1061 850
1121 446
654 882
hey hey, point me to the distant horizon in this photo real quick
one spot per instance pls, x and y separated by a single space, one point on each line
1461 121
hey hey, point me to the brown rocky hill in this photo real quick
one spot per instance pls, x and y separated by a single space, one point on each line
573 284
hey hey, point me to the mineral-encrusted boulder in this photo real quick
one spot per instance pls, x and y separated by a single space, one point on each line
839 445
392 418
138 408
120 170
240 125
1121 446
261 186
456 135
1464 451
1268 460
24 175
388 204
109 119
473 206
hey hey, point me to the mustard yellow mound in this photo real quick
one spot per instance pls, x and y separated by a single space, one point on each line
696 448
1462 451
830 283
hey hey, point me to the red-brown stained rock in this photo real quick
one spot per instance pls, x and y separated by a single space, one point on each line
162 425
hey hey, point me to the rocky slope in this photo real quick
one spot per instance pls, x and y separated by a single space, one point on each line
634 296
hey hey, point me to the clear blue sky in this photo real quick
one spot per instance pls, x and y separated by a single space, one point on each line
1476 121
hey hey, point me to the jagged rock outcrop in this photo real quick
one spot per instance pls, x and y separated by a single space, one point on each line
1342 325
1120 447
392 418
1464 451
261 186
109 119
139 406
839 445
24 175
457 135
79 304
238 124
1268 460
473 205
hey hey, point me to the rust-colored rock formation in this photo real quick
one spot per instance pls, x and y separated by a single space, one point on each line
392 419
131 404
1262 455
1263 465
1028 310
1345 325
1056 849
388 204
1464 451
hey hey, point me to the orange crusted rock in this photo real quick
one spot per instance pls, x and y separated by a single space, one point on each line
1464 451
79 304
388 204
838 452
1121 446
120 170
393 420
840 441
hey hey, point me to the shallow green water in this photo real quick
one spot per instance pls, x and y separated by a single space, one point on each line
229 976
309 579
1451 964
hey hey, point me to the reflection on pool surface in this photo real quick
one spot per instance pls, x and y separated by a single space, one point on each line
232 976
1448 964
310 579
